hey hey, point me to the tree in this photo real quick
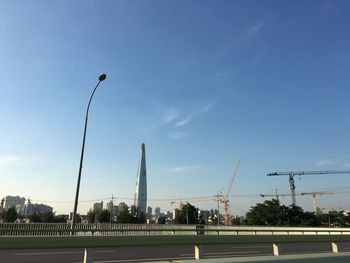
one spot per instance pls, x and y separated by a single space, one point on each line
48 217
268 213
162 219
35 218
235 220
10 215
60 219
131 217
188 214
137 216
124 216
78 219
271 213
91 215
103 216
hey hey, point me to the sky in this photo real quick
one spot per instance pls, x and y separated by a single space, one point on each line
201 83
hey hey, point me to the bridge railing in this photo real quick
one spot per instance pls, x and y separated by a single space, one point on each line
88 236
54 229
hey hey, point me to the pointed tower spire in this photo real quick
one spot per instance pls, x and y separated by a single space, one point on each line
140 200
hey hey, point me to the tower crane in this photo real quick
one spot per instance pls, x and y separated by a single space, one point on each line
314 203
277 195
292 174
314 198
224 198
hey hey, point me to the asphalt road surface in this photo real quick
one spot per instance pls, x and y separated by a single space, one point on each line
161 253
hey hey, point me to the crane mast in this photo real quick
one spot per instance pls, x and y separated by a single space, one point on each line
292 174
313 194
224 198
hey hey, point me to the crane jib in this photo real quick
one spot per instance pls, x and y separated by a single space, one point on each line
309 172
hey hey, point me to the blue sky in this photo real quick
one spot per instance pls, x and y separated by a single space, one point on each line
201 83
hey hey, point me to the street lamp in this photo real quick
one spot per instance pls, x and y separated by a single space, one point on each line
100 78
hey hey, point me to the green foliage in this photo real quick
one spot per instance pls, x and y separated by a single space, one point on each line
271 213
124 217
91 215
35 218
60 219
268 213
162 219
48 217
188 214
131 217
10 215
235 221
336 219
103 216
78 219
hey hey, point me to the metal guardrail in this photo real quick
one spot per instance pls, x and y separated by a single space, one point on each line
41 229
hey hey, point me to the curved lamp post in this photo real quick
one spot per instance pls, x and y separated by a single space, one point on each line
100 78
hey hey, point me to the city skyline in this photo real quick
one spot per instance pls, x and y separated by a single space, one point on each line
201 83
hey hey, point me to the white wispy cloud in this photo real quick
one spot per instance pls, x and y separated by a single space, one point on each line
5 159
175 120
180 169
183 122
255 29
169 115
324 162
194 114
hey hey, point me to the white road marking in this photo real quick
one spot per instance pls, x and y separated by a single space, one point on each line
140 259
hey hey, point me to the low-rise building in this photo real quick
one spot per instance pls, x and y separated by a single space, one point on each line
31 209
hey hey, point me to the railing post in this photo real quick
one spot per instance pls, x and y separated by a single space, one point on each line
198 252
275 249
88 255
334 247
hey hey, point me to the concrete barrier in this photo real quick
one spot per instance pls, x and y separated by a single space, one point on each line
22 236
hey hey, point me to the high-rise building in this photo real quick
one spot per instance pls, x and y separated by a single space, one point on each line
16 202
140 198
157 211
149 210
98 206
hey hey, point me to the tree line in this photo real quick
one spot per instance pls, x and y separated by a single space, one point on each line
268 213
272 213
125 216
10 215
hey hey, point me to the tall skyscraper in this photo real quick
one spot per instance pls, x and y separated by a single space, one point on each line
140 198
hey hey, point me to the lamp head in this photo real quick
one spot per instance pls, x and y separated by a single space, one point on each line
102 77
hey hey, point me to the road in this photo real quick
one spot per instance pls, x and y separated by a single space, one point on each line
161 253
